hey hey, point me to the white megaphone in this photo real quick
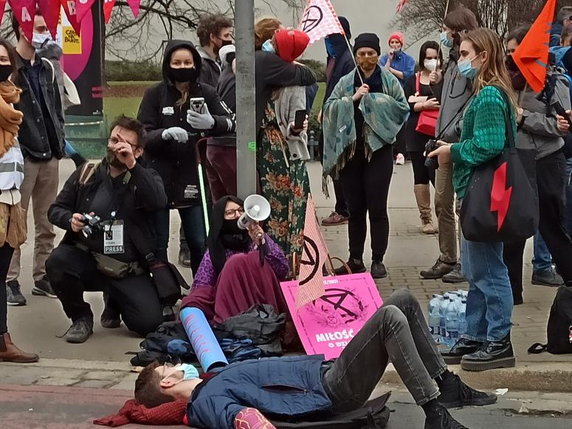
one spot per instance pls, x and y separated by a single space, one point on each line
256 209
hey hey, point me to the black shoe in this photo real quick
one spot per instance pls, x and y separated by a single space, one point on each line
185 257
492 355
80 330
547 278
355 265
169 314
43 288
111 317
438 270
462 347
439 418
455 276
378 270
14 294
455 393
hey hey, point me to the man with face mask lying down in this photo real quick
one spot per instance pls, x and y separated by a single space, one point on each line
244 395
104 209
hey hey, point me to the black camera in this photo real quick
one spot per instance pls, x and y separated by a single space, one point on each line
430 146
92 225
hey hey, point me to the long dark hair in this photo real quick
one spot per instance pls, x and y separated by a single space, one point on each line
11 52
423 53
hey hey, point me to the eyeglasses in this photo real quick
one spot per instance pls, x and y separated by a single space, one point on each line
233 212
170 362
115 140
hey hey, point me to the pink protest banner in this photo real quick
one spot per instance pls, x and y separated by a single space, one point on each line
327 324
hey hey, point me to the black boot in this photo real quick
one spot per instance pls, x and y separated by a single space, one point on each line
355 266
494 354
462 347
455 393
439 418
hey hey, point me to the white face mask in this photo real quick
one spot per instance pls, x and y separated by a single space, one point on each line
431 65
39 39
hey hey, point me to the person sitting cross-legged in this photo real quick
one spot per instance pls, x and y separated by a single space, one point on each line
244 394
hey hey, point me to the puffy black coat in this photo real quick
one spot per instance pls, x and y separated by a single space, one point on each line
176 162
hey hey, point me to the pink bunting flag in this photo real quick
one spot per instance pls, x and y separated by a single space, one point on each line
82 7
50 10
107 8
71 12
320 20
134 5
314 254
24 11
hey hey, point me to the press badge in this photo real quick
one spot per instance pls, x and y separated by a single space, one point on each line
113 238
168 111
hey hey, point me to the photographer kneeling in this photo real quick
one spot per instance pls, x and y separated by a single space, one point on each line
105 209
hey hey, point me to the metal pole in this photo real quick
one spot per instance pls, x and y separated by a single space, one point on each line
245 98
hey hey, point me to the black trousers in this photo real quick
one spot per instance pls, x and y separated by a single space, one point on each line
397 332
421 174
366 188
72 271
551 183
5 258
341 207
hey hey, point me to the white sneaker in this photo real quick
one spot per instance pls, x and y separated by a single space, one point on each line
400 159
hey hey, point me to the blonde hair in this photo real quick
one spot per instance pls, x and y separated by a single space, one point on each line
264 29
493 71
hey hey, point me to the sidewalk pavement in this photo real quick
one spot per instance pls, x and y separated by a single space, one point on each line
102 361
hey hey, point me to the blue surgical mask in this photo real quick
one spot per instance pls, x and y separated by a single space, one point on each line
445 40
189 371
466 69
330 47
268 47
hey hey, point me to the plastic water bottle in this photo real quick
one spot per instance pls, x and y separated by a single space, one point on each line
442 309
463 317
435 317
452 323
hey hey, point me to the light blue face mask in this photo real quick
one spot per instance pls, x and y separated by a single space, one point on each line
445 40
268 47
189 371
466 69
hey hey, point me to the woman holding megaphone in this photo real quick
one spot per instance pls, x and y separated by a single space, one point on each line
231 278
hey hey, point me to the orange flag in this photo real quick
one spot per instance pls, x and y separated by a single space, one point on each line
531 56
314 254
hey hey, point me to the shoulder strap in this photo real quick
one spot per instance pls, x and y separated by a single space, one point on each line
87 171
49 63
510 128
418 83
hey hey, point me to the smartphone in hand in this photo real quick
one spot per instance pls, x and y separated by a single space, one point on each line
299 118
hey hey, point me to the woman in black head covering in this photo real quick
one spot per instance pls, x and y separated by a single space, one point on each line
231 278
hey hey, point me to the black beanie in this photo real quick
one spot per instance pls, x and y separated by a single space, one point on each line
367 40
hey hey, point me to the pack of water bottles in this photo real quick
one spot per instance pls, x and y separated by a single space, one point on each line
447 320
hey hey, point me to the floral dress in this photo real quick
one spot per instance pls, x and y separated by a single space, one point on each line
286 185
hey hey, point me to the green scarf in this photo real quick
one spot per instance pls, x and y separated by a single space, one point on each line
384 114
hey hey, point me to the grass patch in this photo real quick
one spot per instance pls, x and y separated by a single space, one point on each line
115 106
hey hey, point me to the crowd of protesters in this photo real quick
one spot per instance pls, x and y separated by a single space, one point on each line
464 93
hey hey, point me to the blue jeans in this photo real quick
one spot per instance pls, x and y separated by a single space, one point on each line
542 260
489 303
194 227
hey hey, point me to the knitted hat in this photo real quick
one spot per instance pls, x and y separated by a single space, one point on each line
346 26
291 43
397 36
367 40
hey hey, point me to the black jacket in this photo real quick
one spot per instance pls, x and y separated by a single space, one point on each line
210 69
273 72
37 130
176 162
144 193
226 89
342 66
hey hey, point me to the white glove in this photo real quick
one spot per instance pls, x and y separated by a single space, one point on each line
175 133
200 121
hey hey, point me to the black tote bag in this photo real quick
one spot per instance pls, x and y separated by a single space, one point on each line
501 202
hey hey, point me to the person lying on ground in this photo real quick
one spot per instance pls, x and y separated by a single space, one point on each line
247 393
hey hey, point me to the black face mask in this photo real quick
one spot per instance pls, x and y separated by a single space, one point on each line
510 64
233 237
5 72
183 74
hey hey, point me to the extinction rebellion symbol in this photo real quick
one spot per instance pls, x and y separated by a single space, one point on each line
312 18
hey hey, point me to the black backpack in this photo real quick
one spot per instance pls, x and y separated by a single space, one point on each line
559 329
372 415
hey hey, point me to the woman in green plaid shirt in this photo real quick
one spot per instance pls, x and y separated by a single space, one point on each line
486 344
